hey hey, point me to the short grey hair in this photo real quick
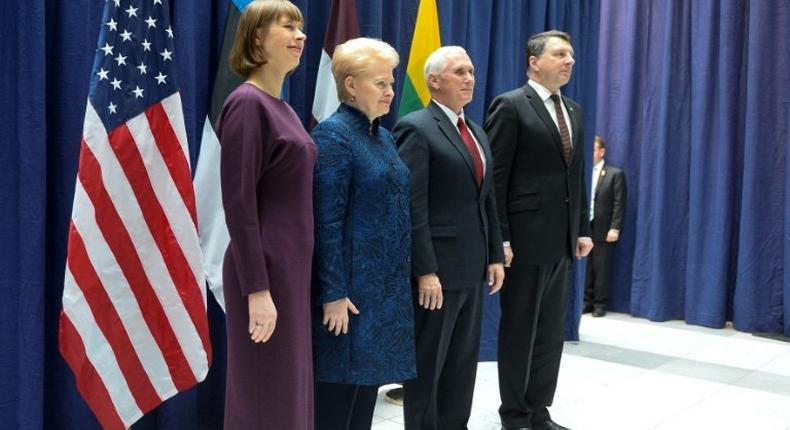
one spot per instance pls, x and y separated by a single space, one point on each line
437 61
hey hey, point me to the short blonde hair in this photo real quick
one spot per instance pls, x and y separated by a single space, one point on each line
258 16
354 56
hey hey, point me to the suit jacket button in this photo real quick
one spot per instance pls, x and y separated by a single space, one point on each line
567 200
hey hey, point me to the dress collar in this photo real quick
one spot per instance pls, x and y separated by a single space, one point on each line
359 119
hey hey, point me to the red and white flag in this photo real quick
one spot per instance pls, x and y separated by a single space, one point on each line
134 328
343 25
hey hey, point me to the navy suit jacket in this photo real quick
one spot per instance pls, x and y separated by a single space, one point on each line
542 202
455 231
610 195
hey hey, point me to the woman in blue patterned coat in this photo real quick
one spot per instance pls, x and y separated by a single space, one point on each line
362 314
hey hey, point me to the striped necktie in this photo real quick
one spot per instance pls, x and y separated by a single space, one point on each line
565 135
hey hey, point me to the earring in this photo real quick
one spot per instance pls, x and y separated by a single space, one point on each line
352 99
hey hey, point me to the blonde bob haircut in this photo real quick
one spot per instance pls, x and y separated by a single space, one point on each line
355 56
258 16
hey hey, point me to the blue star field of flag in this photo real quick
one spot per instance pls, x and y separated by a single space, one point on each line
133 67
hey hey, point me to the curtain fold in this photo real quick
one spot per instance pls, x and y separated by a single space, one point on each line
758 300
23 210
48 49
693 103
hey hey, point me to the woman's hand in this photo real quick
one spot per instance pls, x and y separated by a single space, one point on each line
263 316
336 315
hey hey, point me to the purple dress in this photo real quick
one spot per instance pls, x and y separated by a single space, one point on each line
267 180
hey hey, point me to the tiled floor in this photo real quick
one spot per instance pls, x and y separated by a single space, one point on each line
632 374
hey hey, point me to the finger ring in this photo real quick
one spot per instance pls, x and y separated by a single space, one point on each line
257 324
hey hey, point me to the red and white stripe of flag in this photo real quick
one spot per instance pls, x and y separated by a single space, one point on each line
343 25
134 328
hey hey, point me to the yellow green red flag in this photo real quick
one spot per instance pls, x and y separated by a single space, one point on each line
425 40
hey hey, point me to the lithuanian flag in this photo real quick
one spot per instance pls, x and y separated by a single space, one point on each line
425 40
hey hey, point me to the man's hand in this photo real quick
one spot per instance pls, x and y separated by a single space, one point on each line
496 274
508 255
263 316
612 235
336 315
583 247
430 291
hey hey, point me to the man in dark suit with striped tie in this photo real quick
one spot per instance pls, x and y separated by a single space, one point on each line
537 139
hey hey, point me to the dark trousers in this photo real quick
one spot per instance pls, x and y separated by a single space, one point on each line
344 406
596 280
448 342
531 335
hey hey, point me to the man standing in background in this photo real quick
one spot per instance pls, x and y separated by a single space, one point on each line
607 211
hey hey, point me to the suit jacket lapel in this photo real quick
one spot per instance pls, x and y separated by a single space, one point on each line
476 131
543 113
452 134
602 180
488 165
574 122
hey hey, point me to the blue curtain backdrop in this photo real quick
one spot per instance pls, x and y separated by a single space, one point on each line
694 103
692 97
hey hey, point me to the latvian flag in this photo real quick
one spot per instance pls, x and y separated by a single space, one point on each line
133 327
343 25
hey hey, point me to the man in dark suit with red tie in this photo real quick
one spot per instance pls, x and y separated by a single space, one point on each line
456 242
537 139
607 211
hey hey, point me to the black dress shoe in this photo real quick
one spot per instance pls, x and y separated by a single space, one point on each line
517 428
599 311
587 309
547 425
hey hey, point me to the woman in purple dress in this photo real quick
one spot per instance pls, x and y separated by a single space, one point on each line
267 171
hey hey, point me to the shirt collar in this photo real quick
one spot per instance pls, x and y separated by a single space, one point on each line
542 91
450 114
599 165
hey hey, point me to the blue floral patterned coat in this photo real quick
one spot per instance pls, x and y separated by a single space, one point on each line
362 251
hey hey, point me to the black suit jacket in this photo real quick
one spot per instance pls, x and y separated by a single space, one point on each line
610 195
455 231
542 202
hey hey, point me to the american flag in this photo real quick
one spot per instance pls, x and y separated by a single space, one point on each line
133 327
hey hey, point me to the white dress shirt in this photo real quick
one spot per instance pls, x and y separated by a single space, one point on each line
596 174
545 95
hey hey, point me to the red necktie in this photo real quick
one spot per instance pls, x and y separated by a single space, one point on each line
564 134
473 151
